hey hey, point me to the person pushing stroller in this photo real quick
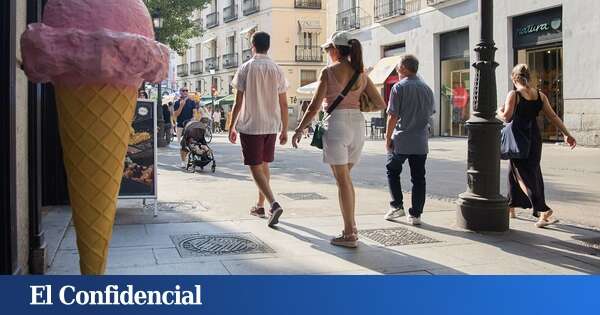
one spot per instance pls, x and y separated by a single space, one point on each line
194 148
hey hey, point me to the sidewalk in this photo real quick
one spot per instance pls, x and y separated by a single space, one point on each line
203 228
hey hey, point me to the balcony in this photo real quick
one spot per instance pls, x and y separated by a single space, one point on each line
385 9
182 70
212 20
246 55
308 53
307 4
230 13
230 61
352 19
211 64
250 6
196 67
433 3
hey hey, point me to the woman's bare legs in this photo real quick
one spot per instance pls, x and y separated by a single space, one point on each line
346 195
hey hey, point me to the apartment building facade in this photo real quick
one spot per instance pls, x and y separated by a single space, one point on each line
556 38
297 29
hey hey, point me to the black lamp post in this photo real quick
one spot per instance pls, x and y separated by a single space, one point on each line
158 21
481 207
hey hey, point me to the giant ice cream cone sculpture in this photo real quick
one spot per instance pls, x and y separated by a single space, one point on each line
96 53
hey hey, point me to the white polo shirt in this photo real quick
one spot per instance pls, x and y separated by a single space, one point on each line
261 80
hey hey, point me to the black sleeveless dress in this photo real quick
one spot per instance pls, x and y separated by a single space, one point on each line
525 119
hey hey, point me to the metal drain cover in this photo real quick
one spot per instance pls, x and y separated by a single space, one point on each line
591 243
178 206
304 196
194 245
396 237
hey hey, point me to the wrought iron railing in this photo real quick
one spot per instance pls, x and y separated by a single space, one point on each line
212 20
307 4
182 70
250 6
246 55
436 2
211 64
352 19
309 53
230 60
230 13
196 67
390 8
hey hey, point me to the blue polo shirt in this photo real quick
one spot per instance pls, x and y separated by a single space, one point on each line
187 112
411 100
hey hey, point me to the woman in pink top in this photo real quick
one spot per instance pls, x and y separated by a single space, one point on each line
344 136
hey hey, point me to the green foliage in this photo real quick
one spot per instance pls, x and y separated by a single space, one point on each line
178 26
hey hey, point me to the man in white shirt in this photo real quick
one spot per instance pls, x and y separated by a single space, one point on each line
216 120
259 114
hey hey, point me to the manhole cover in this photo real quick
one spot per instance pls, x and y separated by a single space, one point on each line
396 237
177 206
304 196
193 245
591 243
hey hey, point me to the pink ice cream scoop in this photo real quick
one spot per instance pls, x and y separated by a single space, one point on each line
94 41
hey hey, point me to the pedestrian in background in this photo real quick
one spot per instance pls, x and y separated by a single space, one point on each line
344 136
525 180
410 108
259 113
185 109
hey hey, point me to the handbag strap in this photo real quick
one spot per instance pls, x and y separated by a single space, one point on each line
343 94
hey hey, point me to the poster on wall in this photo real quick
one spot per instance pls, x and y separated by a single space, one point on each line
139 175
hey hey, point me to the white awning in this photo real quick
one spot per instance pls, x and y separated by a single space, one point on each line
247 30
209 39
310 26
310 88
382 70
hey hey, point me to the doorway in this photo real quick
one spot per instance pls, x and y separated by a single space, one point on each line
545 65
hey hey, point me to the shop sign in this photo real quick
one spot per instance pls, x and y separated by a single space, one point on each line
540 28
553 25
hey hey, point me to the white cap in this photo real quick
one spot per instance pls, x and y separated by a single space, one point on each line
337 39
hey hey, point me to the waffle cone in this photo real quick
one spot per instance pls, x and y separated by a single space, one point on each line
94 123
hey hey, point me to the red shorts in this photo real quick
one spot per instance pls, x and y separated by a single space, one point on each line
258 148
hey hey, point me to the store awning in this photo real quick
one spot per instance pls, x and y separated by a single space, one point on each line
207 100
382 70
208 40
247 30
227 100
310 26
310 88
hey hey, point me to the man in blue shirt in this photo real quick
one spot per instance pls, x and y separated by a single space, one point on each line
409 111
182 114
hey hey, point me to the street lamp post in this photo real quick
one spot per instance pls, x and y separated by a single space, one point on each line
158 21
481 207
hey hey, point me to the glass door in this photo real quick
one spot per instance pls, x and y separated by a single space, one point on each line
455 97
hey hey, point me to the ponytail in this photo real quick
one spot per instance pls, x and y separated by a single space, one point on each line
354 54
356 57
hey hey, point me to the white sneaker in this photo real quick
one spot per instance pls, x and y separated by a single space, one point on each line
394 213
183 164
413 220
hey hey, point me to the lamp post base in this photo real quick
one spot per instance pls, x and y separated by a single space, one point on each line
482 214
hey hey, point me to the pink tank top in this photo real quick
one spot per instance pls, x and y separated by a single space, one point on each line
334 88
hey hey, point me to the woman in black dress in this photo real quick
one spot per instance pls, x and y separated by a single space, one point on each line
525 181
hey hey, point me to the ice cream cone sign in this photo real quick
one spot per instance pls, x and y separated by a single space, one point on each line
96 53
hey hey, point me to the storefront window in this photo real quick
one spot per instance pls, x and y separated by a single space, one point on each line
455 84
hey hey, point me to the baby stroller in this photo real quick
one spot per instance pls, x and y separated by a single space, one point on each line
193 141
